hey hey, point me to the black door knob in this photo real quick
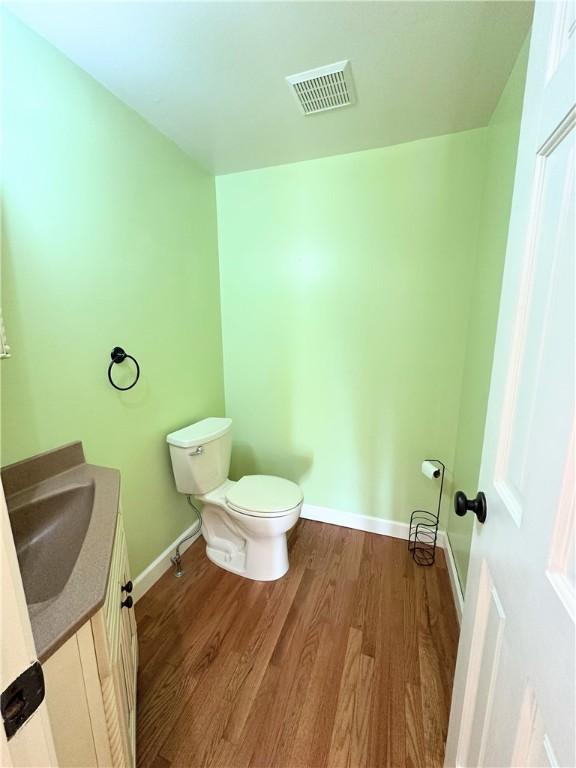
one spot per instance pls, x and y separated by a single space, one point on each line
477 505
128 587
128 603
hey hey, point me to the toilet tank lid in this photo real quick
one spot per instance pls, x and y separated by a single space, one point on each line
200 432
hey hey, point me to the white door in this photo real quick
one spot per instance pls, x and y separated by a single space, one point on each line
513 700
32 745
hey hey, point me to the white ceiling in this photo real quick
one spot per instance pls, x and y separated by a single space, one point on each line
210 75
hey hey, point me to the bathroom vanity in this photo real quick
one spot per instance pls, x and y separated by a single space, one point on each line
69 536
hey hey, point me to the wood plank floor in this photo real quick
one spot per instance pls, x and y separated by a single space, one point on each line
346 661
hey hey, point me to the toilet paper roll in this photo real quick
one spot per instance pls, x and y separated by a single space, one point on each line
430 470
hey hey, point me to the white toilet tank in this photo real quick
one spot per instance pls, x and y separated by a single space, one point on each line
200 455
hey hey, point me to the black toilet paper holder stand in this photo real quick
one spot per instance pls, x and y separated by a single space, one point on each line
423 533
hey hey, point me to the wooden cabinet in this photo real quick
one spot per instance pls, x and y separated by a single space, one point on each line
91 680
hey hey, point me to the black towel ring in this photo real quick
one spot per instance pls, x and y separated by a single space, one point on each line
118 355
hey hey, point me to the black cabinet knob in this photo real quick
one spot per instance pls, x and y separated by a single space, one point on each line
128 603
128 587
477 505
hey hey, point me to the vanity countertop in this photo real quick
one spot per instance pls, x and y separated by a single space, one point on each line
63 589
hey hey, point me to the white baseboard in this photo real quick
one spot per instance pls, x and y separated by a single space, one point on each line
386 528
453 574
356 521
158 567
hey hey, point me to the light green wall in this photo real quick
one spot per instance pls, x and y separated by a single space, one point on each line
351 340
502 143
345 291
109 238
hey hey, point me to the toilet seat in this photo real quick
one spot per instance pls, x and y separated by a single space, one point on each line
264 496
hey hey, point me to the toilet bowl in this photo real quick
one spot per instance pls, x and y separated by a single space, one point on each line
244 522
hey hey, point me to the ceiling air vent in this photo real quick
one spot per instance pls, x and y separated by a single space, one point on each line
318 90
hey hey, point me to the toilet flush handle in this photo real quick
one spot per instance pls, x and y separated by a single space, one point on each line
198 451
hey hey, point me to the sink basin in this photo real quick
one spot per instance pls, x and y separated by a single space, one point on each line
63 513
49 530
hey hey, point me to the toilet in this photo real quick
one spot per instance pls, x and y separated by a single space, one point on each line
244 522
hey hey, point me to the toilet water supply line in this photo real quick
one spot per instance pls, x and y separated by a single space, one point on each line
177 559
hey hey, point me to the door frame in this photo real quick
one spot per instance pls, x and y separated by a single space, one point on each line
32 745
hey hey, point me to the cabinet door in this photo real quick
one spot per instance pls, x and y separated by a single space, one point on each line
117 652
128 659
